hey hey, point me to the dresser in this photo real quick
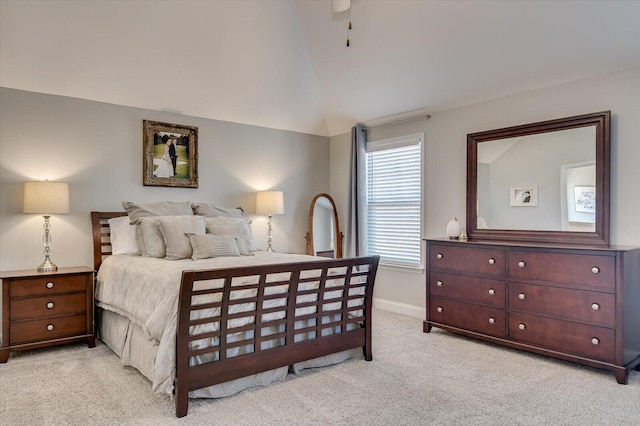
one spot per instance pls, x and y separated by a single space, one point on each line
42 309
579 304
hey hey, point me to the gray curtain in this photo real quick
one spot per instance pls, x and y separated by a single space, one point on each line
356 225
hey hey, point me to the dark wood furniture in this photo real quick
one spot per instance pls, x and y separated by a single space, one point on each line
312 247
352 329
42 309
525 232
574 303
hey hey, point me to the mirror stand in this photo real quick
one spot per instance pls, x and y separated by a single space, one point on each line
324 237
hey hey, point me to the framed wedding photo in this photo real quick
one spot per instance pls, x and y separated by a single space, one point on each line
170 154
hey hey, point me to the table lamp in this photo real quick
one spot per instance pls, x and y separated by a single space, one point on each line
269 203
46 198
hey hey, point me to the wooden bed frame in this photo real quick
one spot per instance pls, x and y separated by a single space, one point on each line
350 324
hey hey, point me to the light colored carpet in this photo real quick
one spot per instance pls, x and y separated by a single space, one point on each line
415 379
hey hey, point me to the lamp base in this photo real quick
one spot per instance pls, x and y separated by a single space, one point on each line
47 266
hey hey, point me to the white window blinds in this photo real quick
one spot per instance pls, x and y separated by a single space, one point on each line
394 188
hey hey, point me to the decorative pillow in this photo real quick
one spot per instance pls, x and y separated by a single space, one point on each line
242 247
165 208
123 236
150 238
174 230
235 226
209 210
209 245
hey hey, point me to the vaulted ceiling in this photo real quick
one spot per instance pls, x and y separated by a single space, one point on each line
284 64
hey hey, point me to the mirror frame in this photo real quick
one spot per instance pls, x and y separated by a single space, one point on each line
601 121
338 235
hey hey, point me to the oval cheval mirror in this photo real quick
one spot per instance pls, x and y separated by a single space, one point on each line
324 237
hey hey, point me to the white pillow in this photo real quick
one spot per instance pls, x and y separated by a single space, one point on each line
123 236
235 226
164 208
209 245
209 210
174 230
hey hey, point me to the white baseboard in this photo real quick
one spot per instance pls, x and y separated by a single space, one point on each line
400 308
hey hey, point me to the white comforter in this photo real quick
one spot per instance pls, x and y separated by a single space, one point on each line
145 290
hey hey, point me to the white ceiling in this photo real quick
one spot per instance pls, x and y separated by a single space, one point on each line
284 64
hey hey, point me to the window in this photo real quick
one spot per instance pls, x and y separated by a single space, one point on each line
393 200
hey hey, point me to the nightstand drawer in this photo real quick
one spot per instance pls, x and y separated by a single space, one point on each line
48 329
40 286
48 306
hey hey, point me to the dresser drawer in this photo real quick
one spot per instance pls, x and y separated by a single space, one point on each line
476 318
468 259
40 286
589 306
587 270
48 306
564 336
467 288
37 330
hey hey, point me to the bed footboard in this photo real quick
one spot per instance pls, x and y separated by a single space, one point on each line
242 321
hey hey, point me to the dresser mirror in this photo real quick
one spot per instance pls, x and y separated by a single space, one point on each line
542 182
324 237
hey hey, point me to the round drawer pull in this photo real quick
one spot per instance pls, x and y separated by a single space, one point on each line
492 320
521 326
595 306
49 305
492 261
49 284
595 270
439 283
521 296
439 309
50 327
595 341
439 255
492 292
521 264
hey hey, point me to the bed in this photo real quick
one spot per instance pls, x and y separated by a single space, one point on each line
214 327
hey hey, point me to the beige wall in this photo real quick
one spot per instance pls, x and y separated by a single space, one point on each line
445 161
97 149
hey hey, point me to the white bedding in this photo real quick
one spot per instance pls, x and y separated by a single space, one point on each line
145 290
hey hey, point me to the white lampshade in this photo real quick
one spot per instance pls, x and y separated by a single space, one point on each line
46 197
269 202
340 5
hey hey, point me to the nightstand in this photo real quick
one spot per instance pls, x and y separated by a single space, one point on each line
42 309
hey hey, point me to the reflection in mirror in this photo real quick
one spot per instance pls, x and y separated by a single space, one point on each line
549 165
541 182
324 237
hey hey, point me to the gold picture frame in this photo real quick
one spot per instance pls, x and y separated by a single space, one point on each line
170 154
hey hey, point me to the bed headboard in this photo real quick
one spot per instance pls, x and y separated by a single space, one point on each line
102 235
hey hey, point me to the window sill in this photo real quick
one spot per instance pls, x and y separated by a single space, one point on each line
402 268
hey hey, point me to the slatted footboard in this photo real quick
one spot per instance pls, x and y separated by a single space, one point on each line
249 320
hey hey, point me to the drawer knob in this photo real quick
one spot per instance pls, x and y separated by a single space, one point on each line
595 270
492 320
492 261
49 305
439 283
492 292
439 255
521 326
521 264
439 309
595 306
50 327
521 296
595 341
49 284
